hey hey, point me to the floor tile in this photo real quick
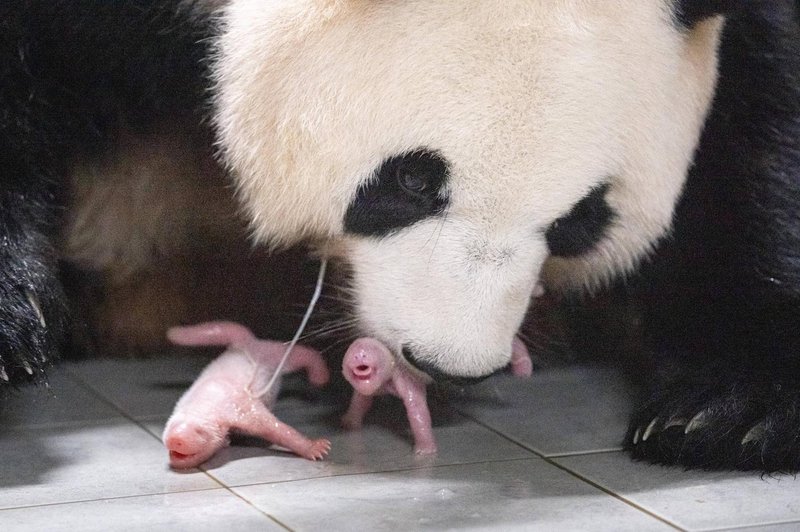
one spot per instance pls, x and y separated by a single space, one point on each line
99 460
694 500
557 411
518 495
197 511
62 401
141 387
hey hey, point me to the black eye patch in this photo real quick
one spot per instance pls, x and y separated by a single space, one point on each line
578 231
405 189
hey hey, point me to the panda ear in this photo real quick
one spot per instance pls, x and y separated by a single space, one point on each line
690 12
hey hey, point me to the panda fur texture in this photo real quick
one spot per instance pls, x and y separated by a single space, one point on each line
454 154
71 74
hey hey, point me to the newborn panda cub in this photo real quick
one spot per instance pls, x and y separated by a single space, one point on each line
228 397
371 369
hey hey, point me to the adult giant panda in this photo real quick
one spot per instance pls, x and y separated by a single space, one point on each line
455 154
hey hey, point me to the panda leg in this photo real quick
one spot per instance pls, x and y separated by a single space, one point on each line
725 393
32 305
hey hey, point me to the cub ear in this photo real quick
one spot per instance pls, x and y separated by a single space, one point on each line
690 12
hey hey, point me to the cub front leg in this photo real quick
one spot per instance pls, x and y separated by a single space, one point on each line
360 404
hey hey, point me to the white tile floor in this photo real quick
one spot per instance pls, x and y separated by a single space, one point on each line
514 455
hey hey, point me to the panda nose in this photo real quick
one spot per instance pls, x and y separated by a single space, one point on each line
437 374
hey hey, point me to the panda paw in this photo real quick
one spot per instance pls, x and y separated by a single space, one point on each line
31 324
744 423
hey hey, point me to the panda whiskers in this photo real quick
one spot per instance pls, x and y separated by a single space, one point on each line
335 319
437 232
336 333
342 341
331 328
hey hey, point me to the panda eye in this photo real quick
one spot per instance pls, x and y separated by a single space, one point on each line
412 181
404 190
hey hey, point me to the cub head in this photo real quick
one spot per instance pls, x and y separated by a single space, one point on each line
458 152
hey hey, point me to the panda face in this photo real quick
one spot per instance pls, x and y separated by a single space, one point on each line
457 152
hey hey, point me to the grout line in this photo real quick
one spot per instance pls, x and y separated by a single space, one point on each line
617 496
508 437
756 525
101 499
584 453
60 425
580 477
250 504
379 472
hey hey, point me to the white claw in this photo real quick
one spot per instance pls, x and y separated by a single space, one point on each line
3 374
698 421
675 422
36 308
27 368
649 430
636 435
754 434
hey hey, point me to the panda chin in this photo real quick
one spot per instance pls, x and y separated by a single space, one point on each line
438 375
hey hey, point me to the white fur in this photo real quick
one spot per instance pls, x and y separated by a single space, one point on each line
533 103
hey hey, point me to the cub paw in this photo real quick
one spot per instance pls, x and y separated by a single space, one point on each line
318 450
425 450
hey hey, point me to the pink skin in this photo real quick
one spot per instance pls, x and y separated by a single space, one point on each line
221 399
372 370
521 364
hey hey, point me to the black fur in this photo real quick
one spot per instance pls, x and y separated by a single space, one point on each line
582 227
690 12
405 189
722 299
436 374
71 73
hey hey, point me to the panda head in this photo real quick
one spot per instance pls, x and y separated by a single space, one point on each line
457 152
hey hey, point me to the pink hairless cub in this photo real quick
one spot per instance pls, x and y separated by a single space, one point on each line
372 370
222 399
